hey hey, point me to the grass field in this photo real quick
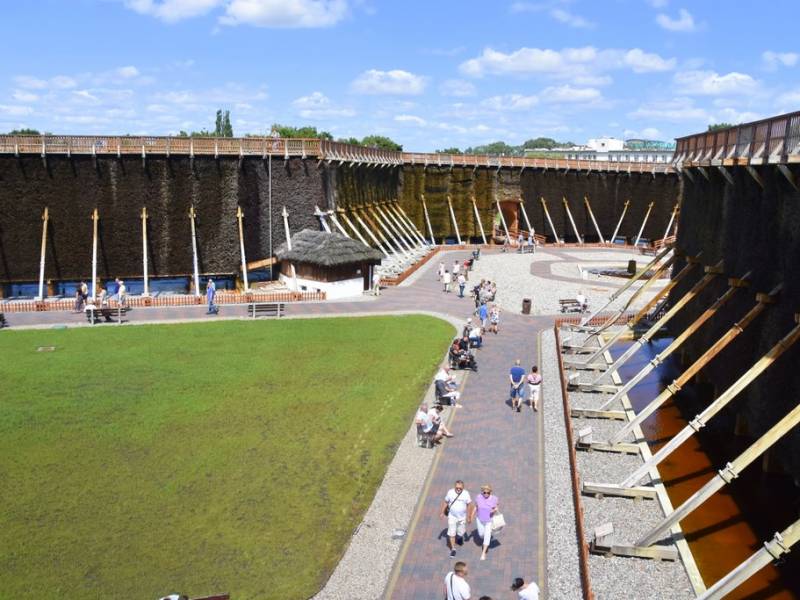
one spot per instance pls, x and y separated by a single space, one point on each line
217 457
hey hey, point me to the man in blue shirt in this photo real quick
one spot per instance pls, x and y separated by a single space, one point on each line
517 378
483 313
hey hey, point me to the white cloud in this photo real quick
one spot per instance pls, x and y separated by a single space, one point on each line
645 62
684 23
410 119
566 93
128 72
773 60
457 87
86 95
658 3
389 82
285 13
510 102
582 65
61 82
318 106
676 110
711 83
563 16
789 98
172 11
651 133
15 110
23 96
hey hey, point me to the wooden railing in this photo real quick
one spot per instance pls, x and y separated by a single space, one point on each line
293 147
770 141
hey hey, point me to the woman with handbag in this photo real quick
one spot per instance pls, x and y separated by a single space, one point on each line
486 507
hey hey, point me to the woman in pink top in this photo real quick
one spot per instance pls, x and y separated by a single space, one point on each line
534 387
485 505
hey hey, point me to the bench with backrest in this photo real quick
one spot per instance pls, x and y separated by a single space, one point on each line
570 305
95 313
266 309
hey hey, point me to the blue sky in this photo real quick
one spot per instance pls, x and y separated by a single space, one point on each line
428 74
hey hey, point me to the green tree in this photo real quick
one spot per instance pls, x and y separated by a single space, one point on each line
718 126
541 142
449 151
227 129
24 131
289 131
350 140
381 141
496 149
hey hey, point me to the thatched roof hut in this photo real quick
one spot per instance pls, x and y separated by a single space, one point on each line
324 249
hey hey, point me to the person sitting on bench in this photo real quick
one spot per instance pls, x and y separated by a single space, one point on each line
435 416
476 336
463 343
582 301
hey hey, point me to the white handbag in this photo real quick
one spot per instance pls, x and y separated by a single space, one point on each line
498 522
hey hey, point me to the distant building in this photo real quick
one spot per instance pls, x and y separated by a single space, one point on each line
615 150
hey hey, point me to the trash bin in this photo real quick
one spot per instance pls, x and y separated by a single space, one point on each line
526 306
632 267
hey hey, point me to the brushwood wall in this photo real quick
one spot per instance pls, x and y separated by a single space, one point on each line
756 233
72 187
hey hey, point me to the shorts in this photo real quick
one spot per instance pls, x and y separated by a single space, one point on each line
516 392
533 391
456 526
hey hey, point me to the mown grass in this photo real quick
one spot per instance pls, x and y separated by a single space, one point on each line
200 458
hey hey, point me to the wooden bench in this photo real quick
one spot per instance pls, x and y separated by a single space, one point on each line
570 305
266 309
93 313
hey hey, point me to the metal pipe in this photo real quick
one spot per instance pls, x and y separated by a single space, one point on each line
145 262
731 471
453 217
594 221
641 229
674 309
239 217
428 220
619 223
673 388
192 215
717 405
571 220
45 219
549 220
478 219
676 343
774 549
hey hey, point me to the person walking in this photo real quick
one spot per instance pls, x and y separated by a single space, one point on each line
462 283
525 592
122 293
494 319
441 271
517 378
447 279
534 387
483 313
455 583
211 294
81 293
520 243
376 283
483 508
456 268
455 508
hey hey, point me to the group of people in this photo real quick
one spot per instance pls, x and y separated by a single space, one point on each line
101 294
526 245
456 586
457 275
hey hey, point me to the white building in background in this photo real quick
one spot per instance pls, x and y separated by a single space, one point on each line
614 150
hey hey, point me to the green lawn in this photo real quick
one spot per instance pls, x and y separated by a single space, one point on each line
229 456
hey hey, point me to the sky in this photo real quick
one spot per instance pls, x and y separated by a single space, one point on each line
430 75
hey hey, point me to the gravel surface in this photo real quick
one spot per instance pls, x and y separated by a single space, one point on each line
563 571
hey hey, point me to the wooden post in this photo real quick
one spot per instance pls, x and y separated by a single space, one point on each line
453 217
45 219
671 220
339 226
288 234
571 220
145 264
717 405
428 220
95 219
731 471
774 549
525 215
619 223
411 223
594 221
641 229
478 219
240 217
192 216
503 220
678 341
549 220
698 287
685 377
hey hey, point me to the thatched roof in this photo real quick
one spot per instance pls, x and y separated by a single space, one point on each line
326 249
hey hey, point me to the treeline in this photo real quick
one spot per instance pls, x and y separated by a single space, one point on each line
503 149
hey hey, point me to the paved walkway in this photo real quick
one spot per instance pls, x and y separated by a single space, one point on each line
492 444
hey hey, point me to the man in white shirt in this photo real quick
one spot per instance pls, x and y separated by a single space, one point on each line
582 301
446 280
454 507
455 583
525 592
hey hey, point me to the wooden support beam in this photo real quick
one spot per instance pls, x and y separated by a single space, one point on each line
549 220
240 219
644 223
571 220
525 216
288 234
726 174
145 264
43 254
688 174
590 413
502 219
619 223
789 175
594 221
653 552
478 219
321 216
704 173
753 172
612 489
195 266
717 405
453 217
620 448
428 220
